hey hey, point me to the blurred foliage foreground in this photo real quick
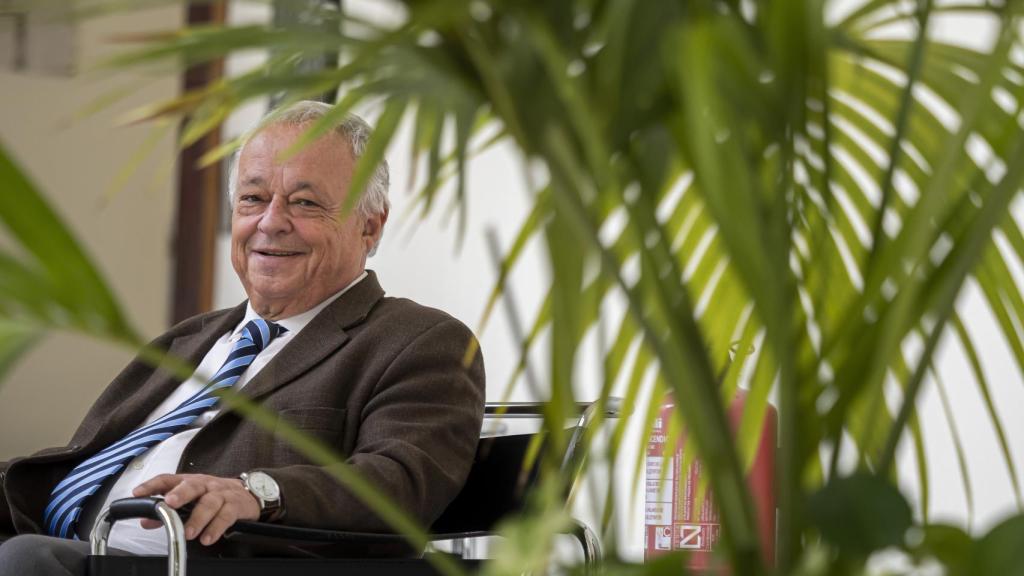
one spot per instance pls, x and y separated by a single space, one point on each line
788 174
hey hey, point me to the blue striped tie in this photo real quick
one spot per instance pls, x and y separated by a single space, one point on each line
68 498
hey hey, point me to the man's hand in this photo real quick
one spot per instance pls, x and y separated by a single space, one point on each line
219 502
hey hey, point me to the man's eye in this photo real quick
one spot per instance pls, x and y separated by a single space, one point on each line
305 203
249 198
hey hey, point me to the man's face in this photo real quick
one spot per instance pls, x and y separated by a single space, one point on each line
290 245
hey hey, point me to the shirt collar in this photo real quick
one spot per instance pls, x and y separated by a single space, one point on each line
297 322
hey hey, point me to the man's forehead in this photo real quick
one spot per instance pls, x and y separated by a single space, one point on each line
298 183
275 145
287 134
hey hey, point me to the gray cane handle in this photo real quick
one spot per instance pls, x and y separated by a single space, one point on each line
153 509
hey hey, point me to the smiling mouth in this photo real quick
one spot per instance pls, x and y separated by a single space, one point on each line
277 253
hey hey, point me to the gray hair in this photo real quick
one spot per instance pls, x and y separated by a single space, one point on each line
351 129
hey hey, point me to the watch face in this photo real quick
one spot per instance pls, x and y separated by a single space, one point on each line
263 486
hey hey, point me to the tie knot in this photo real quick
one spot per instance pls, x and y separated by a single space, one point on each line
261 332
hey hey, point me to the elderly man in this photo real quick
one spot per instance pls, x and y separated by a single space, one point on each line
382 380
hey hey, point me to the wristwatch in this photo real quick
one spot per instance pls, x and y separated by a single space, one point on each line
266 491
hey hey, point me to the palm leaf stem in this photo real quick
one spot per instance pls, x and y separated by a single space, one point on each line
958 446
913 71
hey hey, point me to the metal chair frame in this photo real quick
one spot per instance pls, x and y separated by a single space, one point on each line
256 533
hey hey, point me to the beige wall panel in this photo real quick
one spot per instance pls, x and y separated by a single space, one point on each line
128 232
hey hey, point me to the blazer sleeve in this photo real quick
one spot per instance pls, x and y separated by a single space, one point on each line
416 442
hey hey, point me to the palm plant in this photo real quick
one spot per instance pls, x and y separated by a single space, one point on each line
736 172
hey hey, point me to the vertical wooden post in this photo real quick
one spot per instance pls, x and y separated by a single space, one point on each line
199 196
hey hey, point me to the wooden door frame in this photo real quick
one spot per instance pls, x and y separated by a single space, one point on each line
199 195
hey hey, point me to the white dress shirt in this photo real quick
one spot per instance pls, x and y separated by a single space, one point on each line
165 457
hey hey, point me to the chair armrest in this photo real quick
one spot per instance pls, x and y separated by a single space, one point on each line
244 538
612 408
244 528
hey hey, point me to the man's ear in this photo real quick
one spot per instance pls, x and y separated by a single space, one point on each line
373 228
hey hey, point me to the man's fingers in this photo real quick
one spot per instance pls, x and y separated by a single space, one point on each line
226 517
157 485
233 503
187 490
150 524
177 489
206 508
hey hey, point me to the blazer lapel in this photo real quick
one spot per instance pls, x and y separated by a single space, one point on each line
319 339
188 348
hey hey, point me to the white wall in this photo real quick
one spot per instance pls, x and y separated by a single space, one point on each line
123 223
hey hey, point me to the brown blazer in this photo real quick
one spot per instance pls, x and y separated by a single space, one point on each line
380 379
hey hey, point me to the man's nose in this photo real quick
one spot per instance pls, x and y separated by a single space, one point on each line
275 218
